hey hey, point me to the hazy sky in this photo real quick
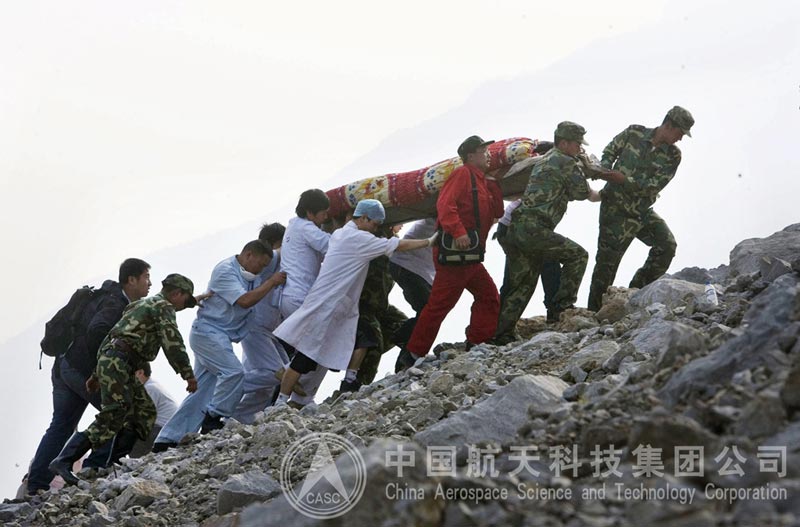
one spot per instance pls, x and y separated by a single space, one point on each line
133 129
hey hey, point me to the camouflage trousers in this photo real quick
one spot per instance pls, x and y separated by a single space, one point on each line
617 231
527 247
380 327
125 402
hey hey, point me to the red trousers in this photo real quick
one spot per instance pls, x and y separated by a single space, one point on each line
448 284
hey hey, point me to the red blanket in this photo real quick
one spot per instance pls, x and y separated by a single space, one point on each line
411 195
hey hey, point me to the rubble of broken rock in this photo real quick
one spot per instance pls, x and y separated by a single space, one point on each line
655 369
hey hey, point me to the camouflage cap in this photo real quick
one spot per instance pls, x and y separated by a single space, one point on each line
682 119
182 283
471 144
571 132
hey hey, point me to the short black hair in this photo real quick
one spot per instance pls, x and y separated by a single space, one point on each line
272 233
146 369
313 201
258 247
132 267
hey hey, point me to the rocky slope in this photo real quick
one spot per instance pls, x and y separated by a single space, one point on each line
615 396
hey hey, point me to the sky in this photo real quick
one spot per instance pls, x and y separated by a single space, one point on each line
171 130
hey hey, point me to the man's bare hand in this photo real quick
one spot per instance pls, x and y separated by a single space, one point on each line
92 384
615 176
208 294
191 385
278 278
462 242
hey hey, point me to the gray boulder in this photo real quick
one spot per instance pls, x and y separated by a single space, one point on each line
766 322
547 340
371 508
668 291
696 275
593 355
615 305
790 393
667 340
141 492
13 511
498 417
746 256
668 431
243 489
772 268
763 416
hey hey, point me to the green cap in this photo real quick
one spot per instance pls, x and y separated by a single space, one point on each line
182 283
682 119
471 144
571 132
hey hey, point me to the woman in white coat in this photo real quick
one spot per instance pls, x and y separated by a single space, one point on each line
323 330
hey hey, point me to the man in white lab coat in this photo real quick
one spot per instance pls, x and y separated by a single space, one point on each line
323 330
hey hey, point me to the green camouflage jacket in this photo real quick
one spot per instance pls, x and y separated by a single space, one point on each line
554 182
647 169
147 325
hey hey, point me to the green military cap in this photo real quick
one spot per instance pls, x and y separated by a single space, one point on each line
682 119
182 283
571 132
472 144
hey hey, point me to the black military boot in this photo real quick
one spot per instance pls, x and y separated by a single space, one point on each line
211 423
163 446
123 444
75 448
350 386
405 360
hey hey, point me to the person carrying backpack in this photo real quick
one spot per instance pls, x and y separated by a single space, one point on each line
89 320
127 411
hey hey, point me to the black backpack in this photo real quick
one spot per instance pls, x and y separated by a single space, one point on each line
61 330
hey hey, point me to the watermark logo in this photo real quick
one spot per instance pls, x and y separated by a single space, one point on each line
324 493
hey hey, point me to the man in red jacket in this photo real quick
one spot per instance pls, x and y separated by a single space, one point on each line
456 216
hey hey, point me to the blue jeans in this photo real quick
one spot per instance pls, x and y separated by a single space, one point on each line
70 399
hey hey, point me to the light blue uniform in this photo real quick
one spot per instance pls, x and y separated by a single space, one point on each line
220 375
262 353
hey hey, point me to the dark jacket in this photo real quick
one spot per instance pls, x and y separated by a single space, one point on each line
96 321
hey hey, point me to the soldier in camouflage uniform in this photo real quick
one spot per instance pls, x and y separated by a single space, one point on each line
649 159
377 321
127 412
530 238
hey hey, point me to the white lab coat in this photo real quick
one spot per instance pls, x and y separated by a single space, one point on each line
324 328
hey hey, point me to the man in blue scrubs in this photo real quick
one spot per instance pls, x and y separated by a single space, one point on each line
221 320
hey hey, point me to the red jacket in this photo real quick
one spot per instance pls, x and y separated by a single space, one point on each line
454 206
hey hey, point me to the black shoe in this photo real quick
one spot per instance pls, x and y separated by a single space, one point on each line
123 444
553 316
502 340
350 386
163 446
405 360
211 423
75 448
